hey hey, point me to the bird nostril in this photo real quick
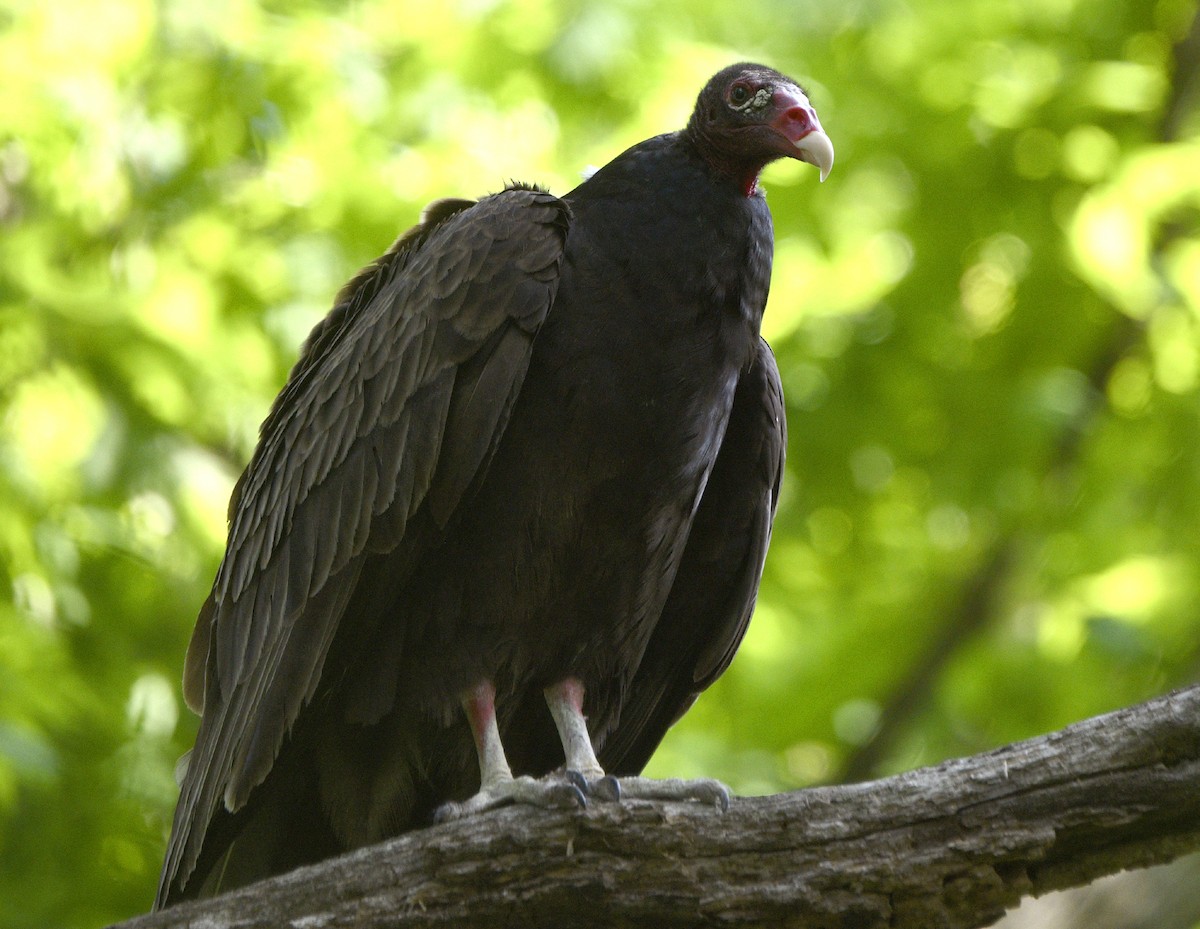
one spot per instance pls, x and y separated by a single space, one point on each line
798 118
796 122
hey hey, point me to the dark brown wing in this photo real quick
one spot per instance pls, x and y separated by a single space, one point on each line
714 591
394 408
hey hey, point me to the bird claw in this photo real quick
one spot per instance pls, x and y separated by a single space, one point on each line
608 789
603 787
578 779
551 792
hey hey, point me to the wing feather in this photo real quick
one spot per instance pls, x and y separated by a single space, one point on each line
398 399
713 594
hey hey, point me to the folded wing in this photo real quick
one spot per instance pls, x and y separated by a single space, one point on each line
387 422
714 590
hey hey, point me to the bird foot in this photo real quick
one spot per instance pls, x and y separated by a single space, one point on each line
565 790
702 790
557 791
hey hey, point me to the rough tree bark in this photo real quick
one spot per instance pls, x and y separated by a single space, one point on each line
947 846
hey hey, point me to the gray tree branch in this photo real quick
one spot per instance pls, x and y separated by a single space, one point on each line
947 846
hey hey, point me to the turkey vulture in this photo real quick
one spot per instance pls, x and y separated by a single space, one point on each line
508 516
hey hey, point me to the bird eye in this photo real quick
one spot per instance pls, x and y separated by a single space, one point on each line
739 94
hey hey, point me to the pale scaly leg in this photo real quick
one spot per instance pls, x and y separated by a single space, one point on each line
497 786
565 700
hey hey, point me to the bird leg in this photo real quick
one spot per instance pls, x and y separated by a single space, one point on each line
565 700
582 776
480 706
497 786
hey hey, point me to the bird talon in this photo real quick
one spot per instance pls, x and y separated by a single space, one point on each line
607 788
578 780
579 797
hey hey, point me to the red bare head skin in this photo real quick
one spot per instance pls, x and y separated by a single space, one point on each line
749 115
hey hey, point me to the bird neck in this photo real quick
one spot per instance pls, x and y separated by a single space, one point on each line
724 159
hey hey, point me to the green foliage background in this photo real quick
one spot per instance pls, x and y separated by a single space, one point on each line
988 322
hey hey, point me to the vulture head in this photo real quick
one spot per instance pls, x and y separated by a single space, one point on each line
748 115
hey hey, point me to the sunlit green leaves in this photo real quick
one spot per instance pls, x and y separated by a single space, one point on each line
1120 223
